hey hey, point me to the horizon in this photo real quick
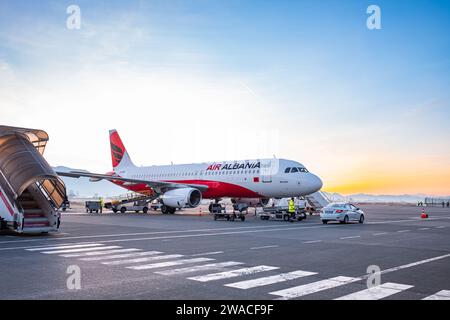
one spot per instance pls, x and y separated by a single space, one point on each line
366 110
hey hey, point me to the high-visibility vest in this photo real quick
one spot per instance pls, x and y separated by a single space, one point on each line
291 206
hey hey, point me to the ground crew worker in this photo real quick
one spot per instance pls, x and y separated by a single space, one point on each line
291 209
102 203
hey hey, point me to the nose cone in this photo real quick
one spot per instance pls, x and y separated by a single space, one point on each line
314 183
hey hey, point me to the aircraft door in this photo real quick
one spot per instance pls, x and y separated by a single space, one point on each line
268 168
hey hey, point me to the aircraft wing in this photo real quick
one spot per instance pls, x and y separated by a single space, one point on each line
157 186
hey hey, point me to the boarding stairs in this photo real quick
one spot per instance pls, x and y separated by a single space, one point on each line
31 193
317 200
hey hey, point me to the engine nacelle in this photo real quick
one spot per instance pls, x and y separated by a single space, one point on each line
251 201
182 197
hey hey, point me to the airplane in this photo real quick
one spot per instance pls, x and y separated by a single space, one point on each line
185 185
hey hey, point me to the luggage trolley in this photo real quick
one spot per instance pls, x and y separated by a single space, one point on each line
219 211
281 213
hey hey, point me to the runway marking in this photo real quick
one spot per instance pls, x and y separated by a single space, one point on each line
424 228
97 253
313 241
232 274
264 247
409 265
211 266
380 233
80 250
207 253
440 227
169 263
376 293
142 233
402 231
247 284
279 228
66 247
352 237
441 295
120 256
314 287
128 261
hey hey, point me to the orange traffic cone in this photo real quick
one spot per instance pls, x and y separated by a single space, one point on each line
424 215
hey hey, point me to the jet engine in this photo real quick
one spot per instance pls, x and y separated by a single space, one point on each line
182 197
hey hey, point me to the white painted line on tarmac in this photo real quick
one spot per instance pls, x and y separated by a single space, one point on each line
352 237
441 295
377 292
66 247
440 227
264 281
169 263
403 231
97 253
211 266
146 233
313 241
79 250
207 253
424 228
233 273
380 233
410 265
303 290
146 259
120 256
264 247
278 228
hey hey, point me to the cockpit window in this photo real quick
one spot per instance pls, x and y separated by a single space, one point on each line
295 169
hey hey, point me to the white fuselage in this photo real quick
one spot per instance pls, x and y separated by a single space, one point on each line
260 178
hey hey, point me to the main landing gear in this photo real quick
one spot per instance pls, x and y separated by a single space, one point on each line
166 209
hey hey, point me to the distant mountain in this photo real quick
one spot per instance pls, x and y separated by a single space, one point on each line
362 197
83 188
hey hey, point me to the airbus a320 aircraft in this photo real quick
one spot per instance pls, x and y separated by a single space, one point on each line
184 185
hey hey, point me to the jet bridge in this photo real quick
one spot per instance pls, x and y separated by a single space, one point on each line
31 193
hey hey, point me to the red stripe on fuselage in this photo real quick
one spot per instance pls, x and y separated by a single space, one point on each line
216 189
8 206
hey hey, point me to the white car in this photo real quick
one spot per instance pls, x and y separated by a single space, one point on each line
343 212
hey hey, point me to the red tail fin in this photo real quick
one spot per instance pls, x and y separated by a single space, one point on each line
119 154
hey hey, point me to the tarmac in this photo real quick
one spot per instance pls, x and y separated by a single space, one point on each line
191 256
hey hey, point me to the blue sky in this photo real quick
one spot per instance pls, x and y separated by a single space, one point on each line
310 71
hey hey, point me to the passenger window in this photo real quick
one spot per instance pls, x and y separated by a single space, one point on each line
294 169
287 170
